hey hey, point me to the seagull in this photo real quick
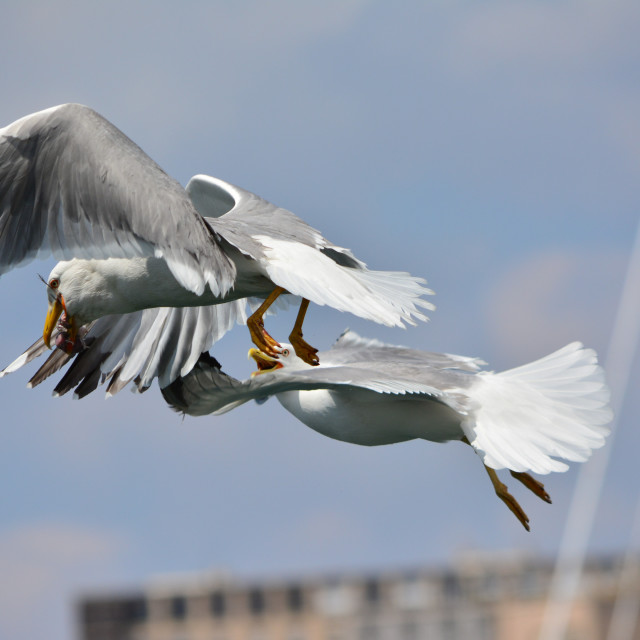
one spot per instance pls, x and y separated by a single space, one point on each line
131 238
370 393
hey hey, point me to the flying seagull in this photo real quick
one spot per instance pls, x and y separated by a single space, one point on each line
370 393
131 238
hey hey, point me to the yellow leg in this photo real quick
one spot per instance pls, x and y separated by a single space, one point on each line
302 348
507 498
255 323
532 484
504 495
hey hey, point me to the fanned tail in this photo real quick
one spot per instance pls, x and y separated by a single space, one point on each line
555 407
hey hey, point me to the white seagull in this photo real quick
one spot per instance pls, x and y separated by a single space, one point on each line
370 393
132 238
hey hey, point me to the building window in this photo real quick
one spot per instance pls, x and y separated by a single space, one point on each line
372 592
451 585
336 600
295 600
178 607
137 610
256 601
218 604
131 610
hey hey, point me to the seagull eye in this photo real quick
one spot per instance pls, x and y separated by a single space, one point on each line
54 283
285 352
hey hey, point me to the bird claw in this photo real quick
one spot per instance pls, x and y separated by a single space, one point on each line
532 484
304 350
262 339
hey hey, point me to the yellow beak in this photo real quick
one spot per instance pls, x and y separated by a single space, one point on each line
53 313
264 362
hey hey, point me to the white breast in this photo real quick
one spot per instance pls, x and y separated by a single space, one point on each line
369 418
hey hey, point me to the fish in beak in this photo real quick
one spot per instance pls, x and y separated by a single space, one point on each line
57 316
264 362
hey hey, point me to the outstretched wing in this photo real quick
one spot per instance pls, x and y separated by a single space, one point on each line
297 257
73 185
208 390
163 342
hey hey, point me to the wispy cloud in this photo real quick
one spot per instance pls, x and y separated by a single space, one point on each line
552 298
43 566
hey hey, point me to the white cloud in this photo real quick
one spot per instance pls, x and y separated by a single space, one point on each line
552 298
42 568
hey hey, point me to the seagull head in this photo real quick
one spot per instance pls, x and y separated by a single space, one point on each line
287 359
61 284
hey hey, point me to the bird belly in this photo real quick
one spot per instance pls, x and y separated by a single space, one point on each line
369 418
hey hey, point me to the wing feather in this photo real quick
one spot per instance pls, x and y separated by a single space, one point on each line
161 343
297 257
351 347
73 185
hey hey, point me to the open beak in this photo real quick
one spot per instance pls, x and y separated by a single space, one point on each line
264 362
53 313
57 315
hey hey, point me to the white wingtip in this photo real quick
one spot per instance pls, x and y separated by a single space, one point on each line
20 361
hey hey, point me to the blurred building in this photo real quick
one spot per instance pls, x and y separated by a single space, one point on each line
480 598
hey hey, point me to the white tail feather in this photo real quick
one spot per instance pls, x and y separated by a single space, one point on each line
555 407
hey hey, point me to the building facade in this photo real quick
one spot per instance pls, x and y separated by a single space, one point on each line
477 599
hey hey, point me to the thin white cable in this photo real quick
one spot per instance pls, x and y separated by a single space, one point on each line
577 531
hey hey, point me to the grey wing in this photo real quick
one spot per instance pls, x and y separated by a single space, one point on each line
73 185
208 390
351 348
240 216
295 256
136 347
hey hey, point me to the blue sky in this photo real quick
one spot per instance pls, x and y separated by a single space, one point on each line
493 148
